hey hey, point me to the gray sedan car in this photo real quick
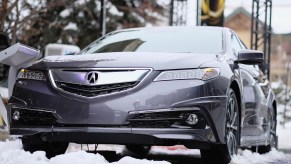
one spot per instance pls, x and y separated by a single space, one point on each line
195 86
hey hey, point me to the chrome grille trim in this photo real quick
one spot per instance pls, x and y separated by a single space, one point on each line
144 74
105 76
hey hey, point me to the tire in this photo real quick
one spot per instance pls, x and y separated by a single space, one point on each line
140 150
273 139
52 149
222 153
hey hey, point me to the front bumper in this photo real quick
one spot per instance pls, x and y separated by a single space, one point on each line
193 138
102 120
92 135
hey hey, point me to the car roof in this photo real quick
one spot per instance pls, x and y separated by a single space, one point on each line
174 28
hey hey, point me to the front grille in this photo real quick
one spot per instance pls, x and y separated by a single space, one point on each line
92 91
170 119
34 118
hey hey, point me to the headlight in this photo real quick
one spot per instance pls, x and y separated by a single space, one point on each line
28 74
202 74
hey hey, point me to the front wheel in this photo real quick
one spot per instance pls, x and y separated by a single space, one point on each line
223 153
52 149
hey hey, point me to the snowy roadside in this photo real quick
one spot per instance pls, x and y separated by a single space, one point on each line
11 152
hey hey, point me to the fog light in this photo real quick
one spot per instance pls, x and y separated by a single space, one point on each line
192 119
16 115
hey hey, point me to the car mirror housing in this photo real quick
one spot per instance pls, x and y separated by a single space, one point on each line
250 57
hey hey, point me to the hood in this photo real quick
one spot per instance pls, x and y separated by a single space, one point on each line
157 61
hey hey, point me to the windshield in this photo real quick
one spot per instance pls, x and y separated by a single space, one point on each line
179 40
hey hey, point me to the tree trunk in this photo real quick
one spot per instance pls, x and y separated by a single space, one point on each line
3 12
14 30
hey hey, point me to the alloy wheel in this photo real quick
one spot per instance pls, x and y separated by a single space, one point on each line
232 126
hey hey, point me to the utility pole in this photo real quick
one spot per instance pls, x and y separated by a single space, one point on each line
198 13
261 32
103 17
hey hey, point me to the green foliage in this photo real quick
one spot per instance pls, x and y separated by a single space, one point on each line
277 90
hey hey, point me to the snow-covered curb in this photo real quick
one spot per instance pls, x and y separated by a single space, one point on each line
248 157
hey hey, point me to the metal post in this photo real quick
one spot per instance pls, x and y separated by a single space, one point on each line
265 39
198 13
103 17
261 32
171 12
265 34
252 26
257 26
270 38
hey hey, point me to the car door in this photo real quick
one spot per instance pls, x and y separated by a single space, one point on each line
253 98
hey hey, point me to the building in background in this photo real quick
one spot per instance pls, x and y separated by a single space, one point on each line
240 21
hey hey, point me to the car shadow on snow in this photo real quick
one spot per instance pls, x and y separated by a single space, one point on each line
111 156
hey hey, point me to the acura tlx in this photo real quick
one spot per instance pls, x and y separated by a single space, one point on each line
195 86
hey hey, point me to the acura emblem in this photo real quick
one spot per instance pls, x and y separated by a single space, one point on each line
92 77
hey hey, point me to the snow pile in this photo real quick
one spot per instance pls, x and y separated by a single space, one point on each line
11 152
78 157
247 156
130 160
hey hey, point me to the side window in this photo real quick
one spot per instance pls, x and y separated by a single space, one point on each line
236 47
242 44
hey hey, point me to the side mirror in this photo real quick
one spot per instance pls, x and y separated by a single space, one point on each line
250 57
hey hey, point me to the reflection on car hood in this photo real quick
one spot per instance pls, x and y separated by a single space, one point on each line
157 61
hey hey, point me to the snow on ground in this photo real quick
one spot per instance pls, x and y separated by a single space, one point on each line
249 157
11 152
284 133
